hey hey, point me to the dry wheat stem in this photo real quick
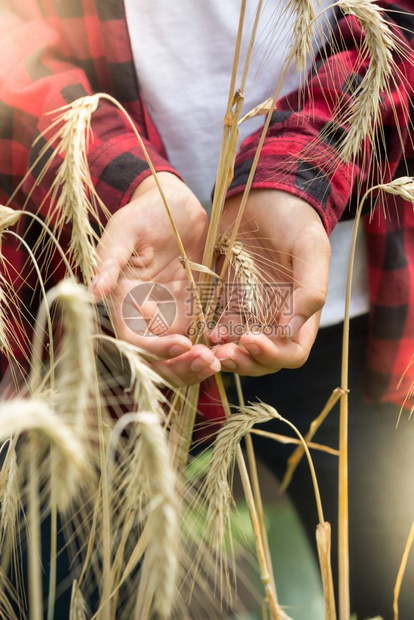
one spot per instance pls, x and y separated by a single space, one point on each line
323 540
186 263
4 341
403 187
343 510
35 546
297 454
284 439
401 570
255 484
229 141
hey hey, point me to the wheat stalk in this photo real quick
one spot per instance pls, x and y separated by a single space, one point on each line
379 43
401 570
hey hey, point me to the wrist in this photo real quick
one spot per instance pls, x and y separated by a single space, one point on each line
165 178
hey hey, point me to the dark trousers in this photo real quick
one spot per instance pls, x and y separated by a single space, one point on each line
381 468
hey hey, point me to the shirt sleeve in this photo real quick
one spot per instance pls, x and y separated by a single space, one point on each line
37 77
301 153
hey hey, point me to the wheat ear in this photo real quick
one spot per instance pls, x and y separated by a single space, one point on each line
36 417
72 182
8 217
145 382
157 588
217 488
302 33
246 272
10 500
78 607
379 43
402 186
77 363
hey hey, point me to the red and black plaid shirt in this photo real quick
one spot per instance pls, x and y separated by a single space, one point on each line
54 51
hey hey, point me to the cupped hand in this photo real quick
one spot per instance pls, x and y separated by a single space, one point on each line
288 241
146 285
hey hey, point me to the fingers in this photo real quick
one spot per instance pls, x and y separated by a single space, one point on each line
190 368
257 355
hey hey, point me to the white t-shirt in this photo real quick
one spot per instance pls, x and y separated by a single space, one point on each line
183 53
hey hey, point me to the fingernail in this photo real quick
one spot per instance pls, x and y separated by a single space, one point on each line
179 349
295 325
211 370
228 363
252 348
198 364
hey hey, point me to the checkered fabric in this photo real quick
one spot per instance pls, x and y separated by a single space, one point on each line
54 51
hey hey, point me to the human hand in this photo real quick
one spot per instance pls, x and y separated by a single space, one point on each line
287 239
138 246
